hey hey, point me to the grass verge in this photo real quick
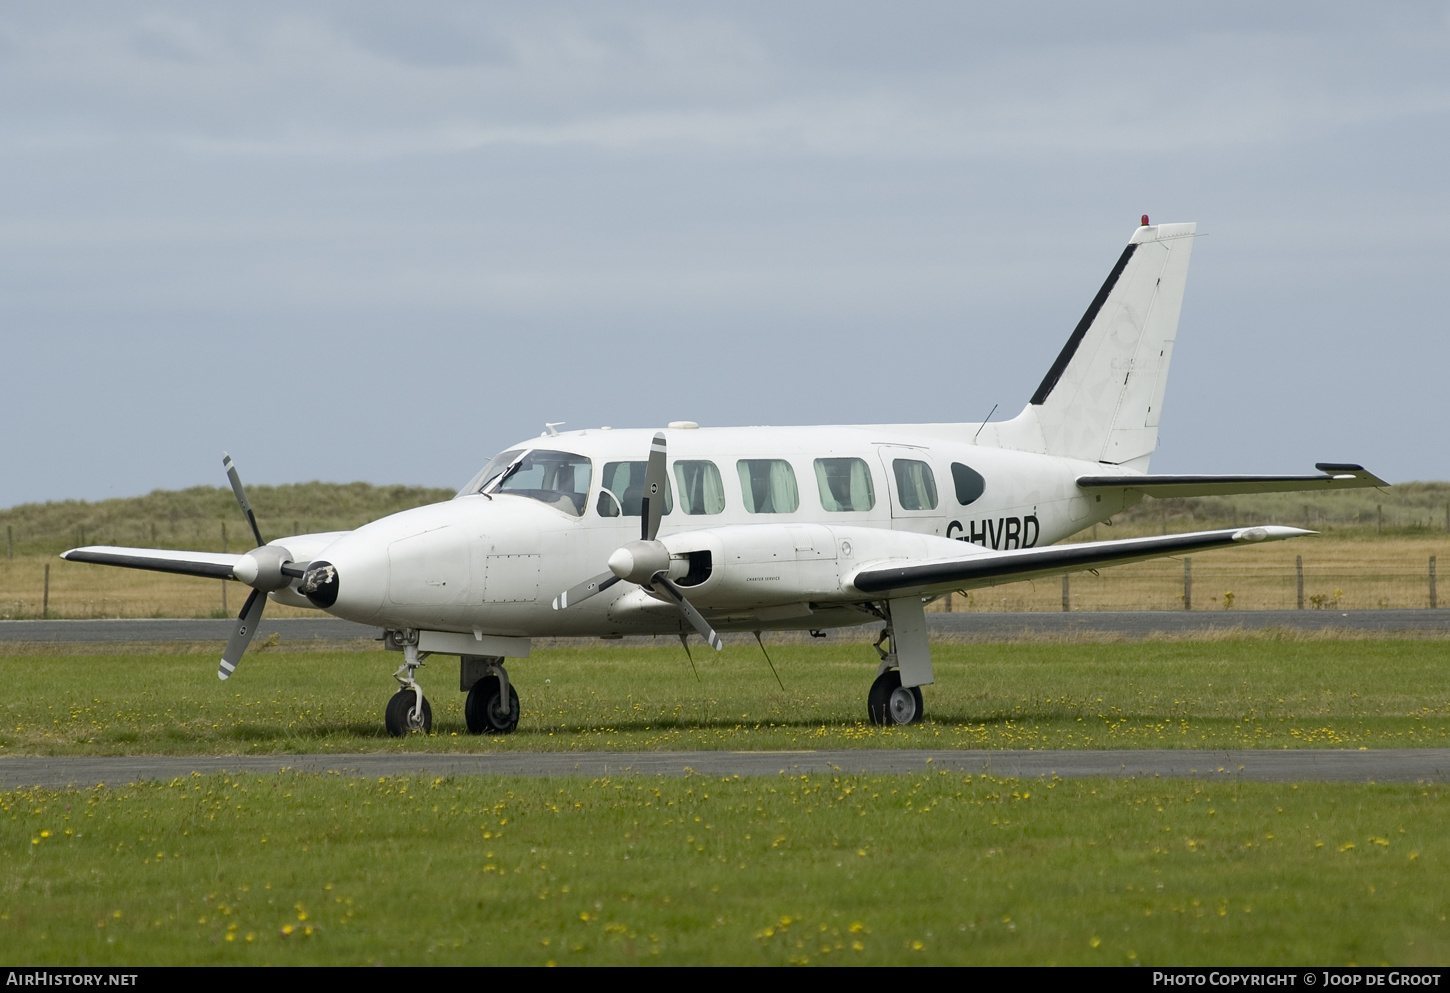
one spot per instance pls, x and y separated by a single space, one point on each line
1259 692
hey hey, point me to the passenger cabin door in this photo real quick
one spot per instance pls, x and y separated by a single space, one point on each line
915 486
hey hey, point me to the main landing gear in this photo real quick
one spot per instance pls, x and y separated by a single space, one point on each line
895 696
492 706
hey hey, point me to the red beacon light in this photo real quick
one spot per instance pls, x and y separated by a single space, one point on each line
1145 220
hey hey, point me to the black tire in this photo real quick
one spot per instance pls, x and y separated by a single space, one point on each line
483 713
398 716
878 701
891 703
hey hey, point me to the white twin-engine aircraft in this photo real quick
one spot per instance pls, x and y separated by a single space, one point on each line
628 532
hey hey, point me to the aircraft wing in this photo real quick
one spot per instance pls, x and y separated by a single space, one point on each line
991 568
212 565
1335 476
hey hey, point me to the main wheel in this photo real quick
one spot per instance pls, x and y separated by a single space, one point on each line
483 710
402 715
891 703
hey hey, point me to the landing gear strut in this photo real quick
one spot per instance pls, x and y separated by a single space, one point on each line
408 711
895 696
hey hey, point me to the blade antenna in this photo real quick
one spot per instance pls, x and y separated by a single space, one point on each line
767 660
984 423
685 641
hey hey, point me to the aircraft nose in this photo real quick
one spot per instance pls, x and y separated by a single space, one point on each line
348 581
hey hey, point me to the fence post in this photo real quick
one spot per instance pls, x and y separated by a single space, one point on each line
1066 602
1379 518
9 542
948 604
1299 581
45 597
1433 604
1188 584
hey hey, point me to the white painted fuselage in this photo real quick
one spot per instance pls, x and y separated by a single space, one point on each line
494 564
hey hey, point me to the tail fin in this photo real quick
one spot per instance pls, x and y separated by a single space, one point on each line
1102 398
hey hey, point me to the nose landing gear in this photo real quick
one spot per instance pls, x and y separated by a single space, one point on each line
408 711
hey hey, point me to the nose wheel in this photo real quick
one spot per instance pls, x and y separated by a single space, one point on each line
408 711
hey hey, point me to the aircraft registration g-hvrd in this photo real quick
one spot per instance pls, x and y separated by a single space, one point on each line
626 532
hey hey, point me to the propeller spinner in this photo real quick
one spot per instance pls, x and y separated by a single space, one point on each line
645 562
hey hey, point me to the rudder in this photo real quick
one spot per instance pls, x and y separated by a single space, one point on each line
1102 398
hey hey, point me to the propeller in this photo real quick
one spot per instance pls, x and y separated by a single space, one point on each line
264 568
645 562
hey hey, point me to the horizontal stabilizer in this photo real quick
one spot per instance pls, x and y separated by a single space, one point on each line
995 567
1336 476
213 565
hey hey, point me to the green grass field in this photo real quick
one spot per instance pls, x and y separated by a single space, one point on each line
928 869
941 868
1244 692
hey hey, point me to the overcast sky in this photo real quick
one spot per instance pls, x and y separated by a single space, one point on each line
383 241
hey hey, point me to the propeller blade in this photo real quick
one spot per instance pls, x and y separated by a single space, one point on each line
692 615
241 498
585 590
247 622
653 507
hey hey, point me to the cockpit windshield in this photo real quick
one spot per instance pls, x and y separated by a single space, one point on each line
559 479
490 472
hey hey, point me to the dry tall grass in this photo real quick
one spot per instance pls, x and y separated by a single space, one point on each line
1343 573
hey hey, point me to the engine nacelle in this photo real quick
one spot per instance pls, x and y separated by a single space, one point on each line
757 565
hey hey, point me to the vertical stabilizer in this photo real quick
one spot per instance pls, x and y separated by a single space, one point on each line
1102 398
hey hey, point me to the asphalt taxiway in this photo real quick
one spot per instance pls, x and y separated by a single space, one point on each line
1409 765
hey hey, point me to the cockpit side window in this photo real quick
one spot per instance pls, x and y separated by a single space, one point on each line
560 479
621 490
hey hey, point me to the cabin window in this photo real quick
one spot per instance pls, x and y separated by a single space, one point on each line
915 484
490 472
701 490
969 483
768 486
560 479
622 490
845 484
